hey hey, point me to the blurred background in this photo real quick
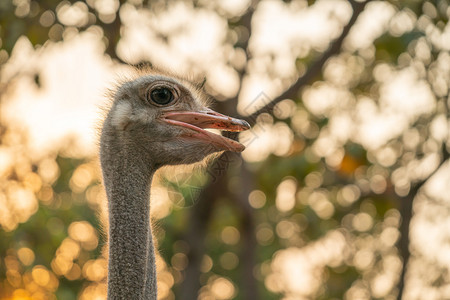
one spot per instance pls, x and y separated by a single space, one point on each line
340 194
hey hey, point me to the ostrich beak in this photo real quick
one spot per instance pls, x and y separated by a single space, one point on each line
197 121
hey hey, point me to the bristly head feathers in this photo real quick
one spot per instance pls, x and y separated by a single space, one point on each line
195 86
194 83
133 123
135 85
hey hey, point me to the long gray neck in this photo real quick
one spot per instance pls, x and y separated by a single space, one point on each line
131 266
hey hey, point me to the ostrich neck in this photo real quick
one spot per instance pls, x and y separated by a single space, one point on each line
131 266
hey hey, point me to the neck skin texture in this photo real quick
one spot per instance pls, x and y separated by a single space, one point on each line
131 266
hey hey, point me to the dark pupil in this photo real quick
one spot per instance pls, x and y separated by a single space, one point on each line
161 96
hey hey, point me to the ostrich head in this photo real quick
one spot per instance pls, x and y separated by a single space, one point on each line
154 120
163 119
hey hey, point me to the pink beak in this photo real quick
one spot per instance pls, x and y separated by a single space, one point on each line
199 120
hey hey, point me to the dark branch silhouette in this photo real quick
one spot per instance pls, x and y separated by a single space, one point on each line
406 212
198 227
201 213
209 195
315 69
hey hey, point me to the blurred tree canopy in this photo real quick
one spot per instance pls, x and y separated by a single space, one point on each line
340 194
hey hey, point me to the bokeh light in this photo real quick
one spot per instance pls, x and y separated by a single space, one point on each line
340 193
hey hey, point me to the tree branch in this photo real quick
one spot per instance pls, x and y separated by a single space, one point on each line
315 68
201 213
230 107
195 237
247 229
112 34
406 211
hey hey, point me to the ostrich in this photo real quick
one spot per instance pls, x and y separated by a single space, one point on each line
154 120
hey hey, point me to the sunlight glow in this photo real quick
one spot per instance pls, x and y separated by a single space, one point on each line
264 234
257 199
52 100
286 190
299 270
230 235
95 270
73 15
229 260
222 288
404 93
26 256
84 233
73 103
81 178
276 35
265 138
372 23
319 203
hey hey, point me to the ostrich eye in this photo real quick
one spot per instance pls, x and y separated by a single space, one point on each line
161 96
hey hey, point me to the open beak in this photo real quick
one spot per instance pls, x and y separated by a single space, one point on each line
197 121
